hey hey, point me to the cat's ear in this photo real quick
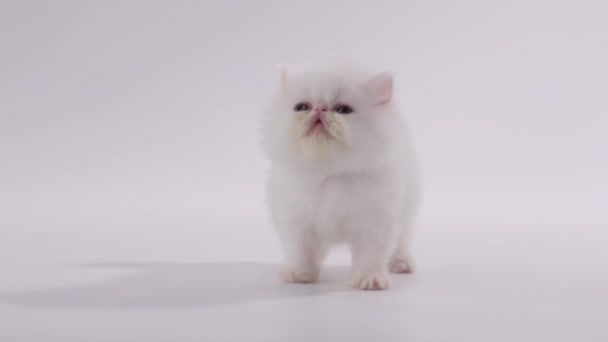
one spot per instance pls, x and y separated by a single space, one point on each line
283 77
380 88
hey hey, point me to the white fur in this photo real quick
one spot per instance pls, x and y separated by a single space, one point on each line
354 182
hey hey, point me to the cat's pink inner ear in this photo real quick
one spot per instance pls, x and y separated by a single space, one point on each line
380 88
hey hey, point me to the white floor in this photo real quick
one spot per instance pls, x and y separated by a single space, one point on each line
208 283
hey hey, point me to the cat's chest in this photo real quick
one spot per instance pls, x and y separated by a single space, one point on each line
327 200
340 196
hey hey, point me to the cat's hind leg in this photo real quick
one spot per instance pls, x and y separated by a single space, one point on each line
401 261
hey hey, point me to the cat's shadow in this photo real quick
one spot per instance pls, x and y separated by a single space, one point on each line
178 285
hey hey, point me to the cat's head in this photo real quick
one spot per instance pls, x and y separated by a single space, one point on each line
335 115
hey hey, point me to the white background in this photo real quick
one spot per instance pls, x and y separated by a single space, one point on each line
131 178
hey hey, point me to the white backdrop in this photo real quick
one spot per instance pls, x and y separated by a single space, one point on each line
129 130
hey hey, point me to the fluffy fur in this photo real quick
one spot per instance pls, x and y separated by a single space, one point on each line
340 178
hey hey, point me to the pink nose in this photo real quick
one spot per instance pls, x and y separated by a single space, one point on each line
320 109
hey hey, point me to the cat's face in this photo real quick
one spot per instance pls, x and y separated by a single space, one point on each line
336 115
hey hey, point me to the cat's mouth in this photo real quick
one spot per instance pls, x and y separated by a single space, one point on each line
317 126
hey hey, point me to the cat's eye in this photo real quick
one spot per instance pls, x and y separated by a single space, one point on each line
343 109
302 107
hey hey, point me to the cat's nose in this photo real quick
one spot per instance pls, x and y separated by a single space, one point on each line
321 109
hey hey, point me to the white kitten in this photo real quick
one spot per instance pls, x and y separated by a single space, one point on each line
342 172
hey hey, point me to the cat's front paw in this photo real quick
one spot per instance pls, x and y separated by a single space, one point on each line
401 265
294 276
371 282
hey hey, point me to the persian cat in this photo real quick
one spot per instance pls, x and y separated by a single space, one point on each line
342 171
